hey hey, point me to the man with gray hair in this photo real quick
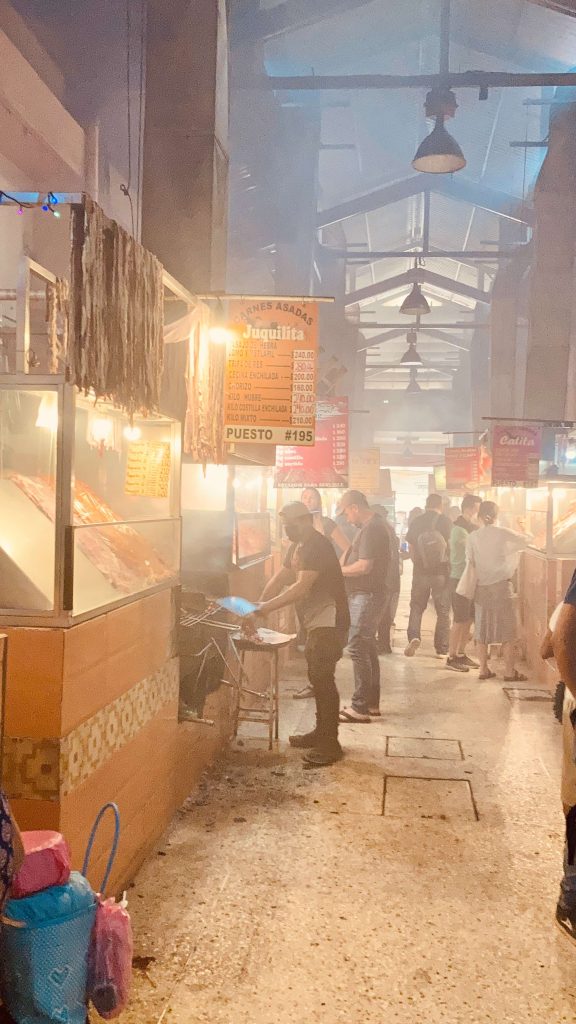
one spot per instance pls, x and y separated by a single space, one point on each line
365 571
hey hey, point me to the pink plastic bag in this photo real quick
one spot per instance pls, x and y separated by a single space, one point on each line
46 863
110 959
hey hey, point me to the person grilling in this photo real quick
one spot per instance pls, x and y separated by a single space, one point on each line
311 579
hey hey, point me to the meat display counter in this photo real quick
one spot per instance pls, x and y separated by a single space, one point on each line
548 515
89 503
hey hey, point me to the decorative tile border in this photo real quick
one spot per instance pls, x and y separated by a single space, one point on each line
47 769
95 741
31 769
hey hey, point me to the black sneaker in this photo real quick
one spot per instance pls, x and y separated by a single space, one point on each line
320 757
457 665
468 661
566 921
305 741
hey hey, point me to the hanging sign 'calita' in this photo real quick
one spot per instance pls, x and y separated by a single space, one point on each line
516 455
270 388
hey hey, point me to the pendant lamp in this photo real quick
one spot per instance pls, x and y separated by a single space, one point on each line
415 304
411 356
413 387
439 153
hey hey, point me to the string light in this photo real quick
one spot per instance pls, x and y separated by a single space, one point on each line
47 206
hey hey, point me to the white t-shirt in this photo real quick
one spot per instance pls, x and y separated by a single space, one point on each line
494 551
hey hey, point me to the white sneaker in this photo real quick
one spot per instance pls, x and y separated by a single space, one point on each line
412 647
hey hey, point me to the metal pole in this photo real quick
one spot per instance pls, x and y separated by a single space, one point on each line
371 326
445 41
449 254
458 80
426 223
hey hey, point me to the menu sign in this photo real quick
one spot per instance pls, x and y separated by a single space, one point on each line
365 471
148 469
270 384
325 464
516 456
462 468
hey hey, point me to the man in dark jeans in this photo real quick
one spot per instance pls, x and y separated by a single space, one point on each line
314 583
365 572
562 644
429 540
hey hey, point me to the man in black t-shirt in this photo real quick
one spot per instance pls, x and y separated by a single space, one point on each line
313 580
428 540
366 572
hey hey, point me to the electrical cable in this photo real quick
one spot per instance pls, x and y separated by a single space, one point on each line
143 23
23 206
128 101
125 189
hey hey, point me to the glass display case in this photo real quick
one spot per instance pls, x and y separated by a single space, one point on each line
547 513
89 501
225 519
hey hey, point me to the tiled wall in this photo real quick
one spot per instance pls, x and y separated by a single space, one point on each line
92 716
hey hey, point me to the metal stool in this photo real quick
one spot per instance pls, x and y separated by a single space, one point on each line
267 711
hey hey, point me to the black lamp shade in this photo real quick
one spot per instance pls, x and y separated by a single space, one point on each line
439 153
413 387
415 304
411 356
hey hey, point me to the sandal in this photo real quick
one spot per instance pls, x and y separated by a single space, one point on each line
487 675
518 677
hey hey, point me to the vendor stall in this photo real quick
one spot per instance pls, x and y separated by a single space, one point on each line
547 514
90 535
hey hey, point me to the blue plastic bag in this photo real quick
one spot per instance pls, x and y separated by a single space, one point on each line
44 953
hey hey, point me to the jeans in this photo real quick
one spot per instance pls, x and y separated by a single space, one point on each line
387 620
366 610
568 884
324 648
424 585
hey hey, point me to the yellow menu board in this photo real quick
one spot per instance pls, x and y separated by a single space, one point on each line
148 469
270 387
364 472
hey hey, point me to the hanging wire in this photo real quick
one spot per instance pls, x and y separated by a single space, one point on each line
125 189
143 22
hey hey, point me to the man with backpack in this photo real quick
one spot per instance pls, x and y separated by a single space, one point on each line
428 540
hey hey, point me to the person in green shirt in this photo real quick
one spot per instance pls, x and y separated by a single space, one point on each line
462 608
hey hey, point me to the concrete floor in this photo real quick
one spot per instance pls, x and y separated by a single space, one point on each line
283 896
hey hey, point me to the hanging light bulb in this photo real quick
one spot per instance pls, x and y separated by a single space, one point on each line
413 387
411 356
439 153
47 416
220 333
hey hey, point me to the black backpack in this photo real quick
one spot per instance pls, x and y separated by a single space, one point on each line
433 549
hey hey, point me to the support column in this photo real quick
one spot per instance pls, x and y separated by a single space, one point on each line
552 318
185 178
505 309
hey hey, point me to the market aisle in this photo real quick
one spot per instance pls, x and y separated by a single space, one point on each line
287 897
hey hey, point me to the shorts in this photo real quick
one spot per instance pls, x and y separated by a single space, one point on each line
462 607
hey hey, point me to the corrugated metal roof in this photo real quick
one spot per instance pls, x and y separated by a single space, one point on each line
386 126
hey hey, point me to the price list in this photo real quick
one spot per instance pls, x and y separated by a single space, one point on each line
326 463
270 387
